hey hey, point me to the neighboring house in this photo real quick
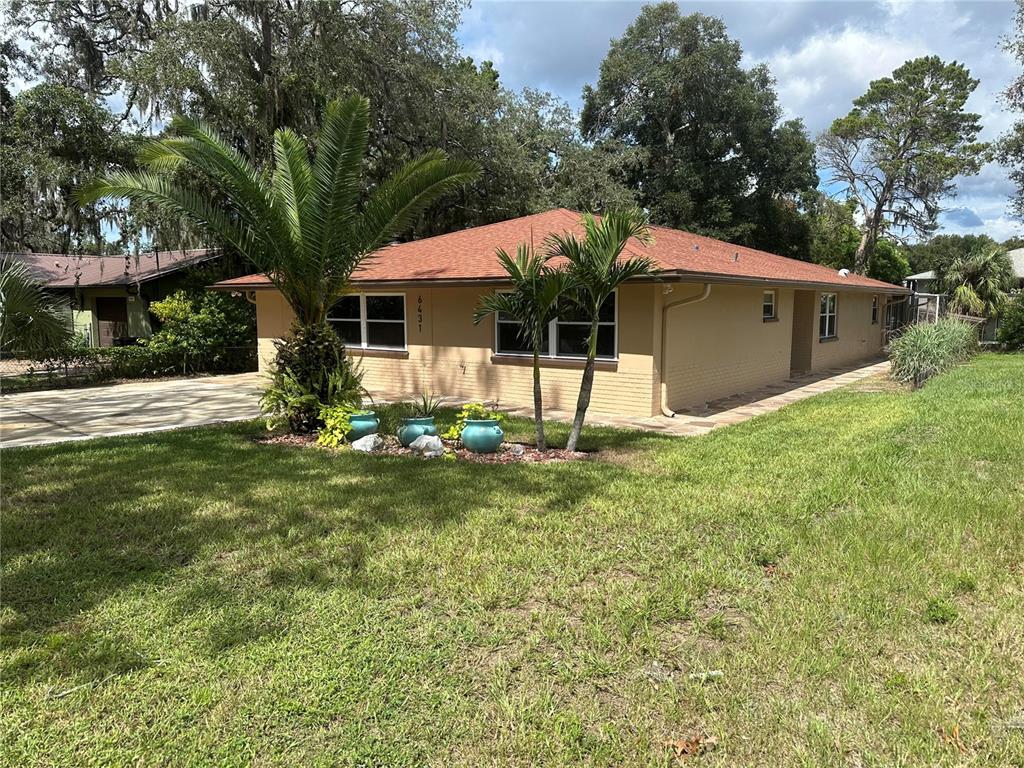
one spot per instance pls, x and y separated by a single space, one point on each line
719 319
110 295
924 282
931 303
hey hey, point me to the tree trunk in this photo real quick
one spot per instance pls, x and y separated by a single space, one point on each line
266 59
538 404
586 385
866 247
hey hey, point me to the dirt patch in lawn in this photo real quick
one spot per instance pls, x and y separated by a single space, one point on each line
507 453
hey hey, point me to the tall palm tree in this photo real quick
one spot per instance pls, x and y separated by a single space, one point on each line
301 224
596 268
533 303
978 281
31 320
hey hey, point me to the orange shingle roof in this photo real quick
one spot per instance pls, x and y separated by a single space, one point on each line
469 255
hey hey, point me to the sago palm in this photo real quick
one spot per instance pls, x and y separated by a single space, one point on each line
303 223
533 303
596 268
31 320
978 281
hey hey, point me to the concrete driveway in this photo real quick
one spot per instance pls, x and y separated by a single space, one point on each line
55 416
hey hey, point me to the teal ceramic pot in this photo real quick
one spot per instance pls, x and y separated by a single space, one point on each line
363 424
413 428
482 435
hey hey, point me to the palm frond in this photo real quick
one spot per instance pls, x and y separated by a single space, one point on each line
198 145
398 201
293 180
341 147
497 302
164 194
31 320
299 223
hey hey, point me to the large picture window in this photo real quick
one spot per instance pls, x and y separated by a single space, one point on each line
827 317
370 320
565 336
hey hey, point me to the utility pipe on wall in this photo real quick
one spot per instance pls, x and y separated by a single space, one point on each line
664 348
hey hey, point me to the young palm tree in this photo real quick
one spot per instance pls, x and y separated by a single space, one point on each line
596 269
533 303
302 224
978 281
31 320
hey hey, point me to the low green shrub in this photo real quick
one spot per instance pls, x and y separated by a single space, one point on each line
204 332
924 350
470 412
337 423
311 372
201 332
293 403
286 402
312 353
1011 325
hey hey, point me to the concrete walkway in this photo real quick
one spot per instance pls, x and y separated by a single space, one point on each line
738 408
55 416
39 418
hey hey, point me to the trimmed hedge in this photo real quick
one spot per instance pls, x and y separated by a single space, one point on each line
926 349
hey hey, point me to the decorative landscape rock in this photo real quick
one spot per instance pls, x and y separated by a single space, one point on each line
507 453
368 444
427 446
363 424
415 427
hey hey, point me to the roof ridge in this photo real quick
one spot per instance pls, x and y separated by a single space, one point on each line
761 252
479 227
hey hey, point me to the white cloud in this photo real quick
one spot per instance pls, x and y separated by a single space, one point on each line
819 79
485 50
822 55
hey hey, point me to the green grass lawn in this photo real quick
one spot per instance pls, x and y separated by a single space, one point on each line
853 565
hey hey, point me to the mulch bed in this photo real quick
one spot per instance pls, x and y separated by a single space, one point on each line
508 453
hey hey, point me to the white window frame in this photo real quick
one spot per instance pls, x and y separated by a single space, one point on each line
363 321
834 314
553 337
775 306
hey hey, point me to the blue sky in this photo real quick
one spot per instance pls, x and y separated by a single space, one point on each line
822 54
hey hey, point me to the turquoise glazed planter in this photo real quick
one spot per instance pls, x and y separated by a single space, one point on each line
412 428
482 435
363 424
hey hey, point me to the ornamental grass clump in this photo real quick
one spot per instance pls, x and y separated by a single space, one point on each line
927 349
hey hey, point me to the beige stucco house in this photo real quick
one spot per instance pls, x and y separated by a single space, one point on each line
717 320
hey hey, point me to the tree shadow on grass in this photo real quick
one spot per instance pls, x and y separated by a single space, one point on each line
86 523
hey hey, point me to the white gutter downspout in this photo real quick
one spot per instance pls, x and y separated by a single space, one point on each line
664 334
